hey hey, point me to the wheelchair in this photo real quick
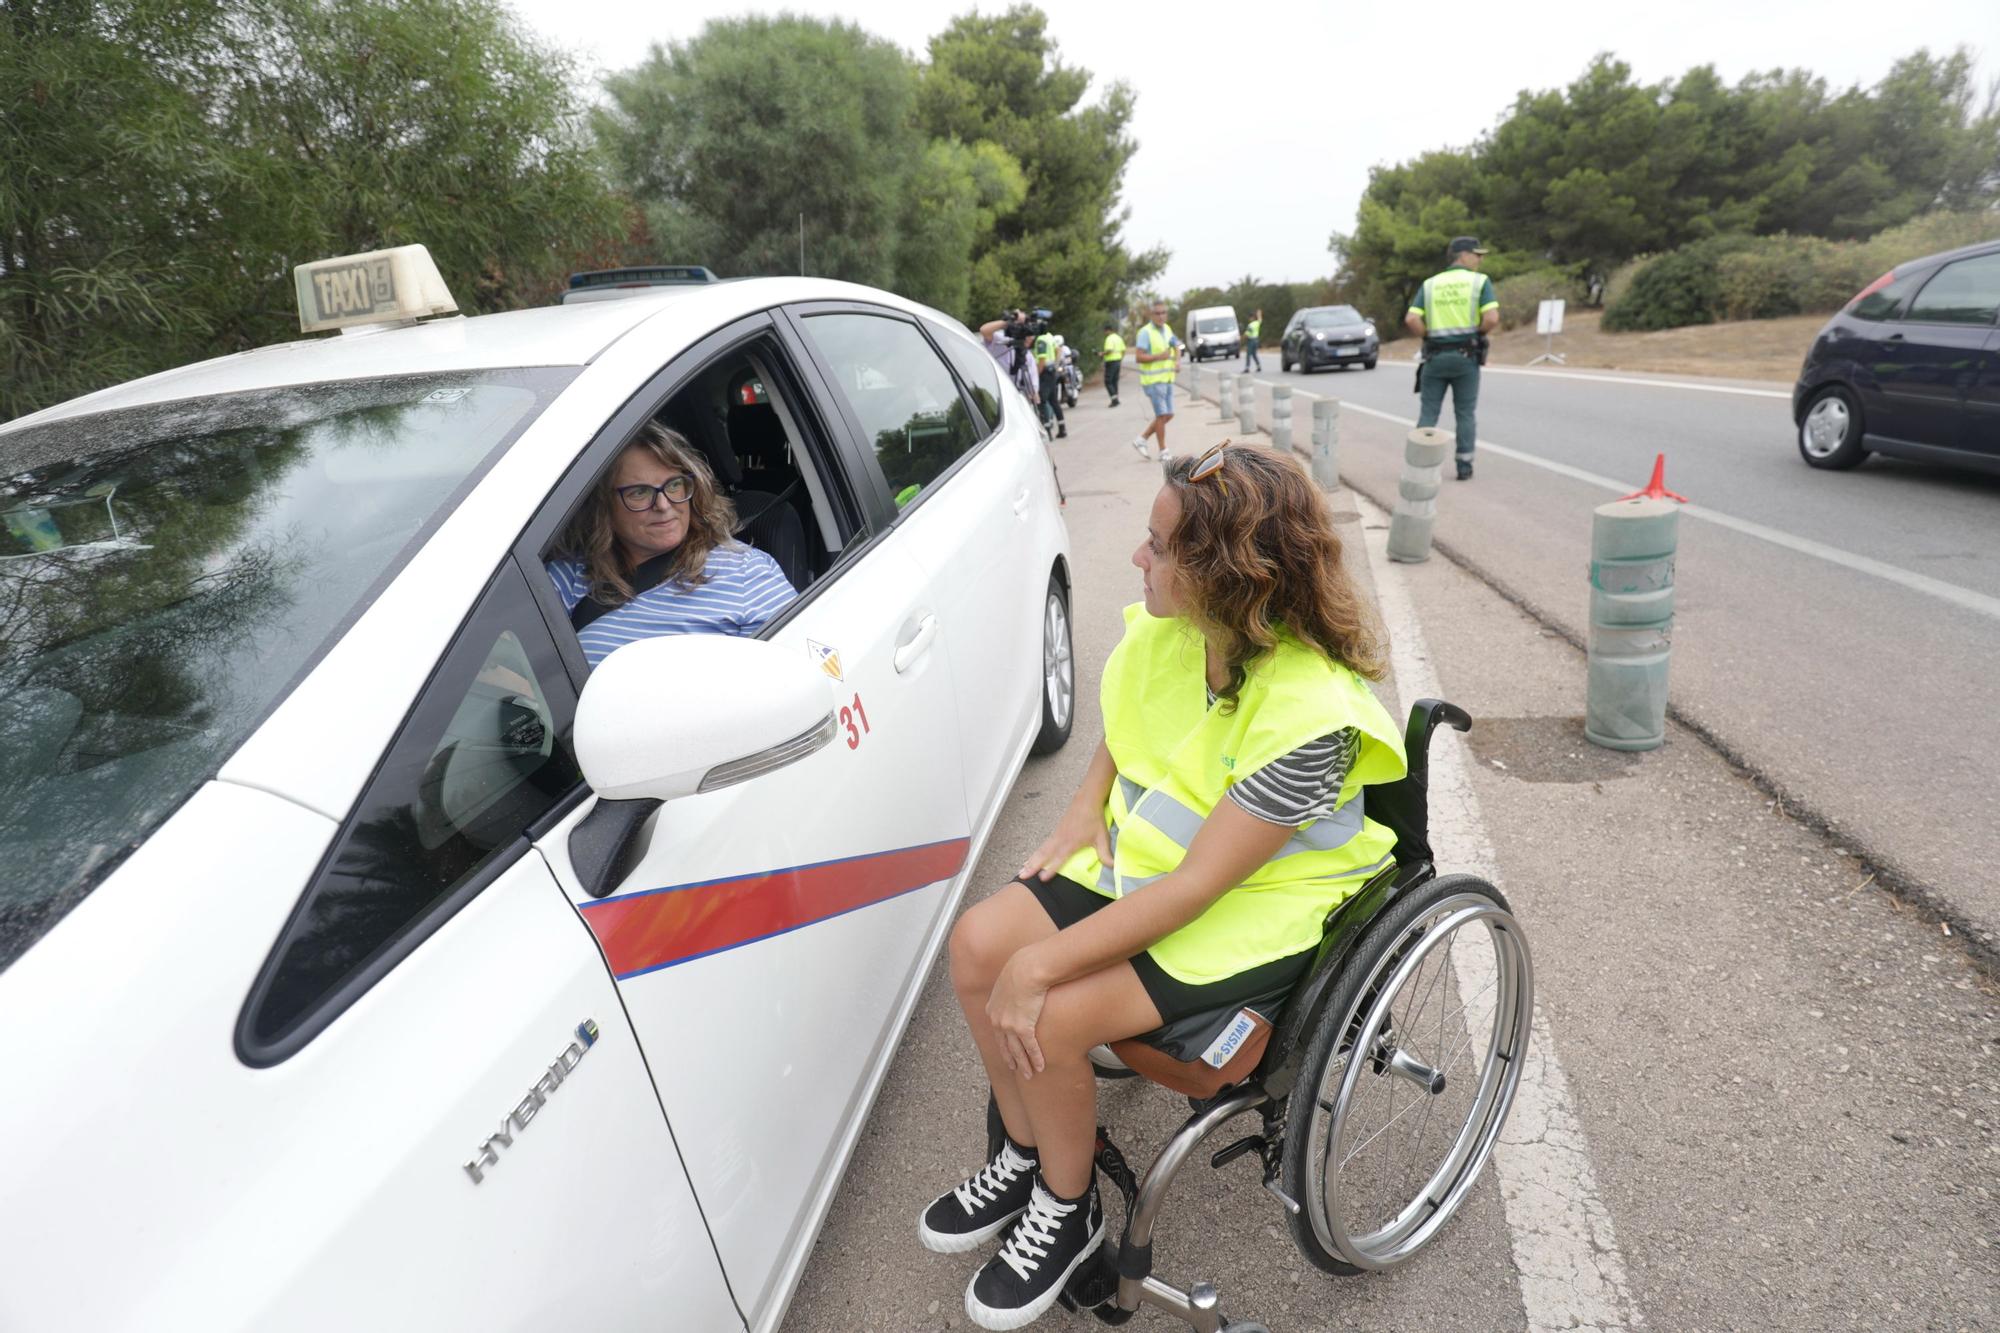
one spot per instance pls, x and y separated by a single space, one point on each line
1381 1086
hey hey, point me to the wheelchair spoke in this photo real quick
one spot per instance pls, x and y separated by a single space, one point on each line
1385 1128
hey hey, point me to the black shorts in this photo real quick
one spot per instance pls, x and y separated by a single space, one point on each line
1068 902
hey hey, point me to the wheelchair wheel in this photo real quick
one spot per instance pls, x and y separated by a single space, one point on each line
1381 1147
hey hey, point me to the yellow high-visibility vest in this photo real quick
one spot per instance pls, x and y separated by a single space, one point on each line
1177 759
1045 349
1449 303
1114 347
1151 339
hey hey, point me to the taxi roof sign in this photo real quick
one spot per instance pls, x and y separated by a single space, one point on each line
401 285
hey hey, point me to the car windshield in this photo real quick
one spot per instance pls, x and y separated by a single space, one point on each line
1332 317
167 573
1216 324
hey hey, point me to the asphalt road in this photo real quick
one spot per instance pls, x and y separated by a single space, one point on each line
1768 1087
1834 632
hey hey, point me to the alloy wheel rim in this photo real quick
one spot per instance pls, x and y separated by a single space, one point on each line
1058 668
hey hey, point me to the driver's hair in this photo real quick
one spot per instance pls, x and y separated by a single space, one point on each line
1255 553
711 520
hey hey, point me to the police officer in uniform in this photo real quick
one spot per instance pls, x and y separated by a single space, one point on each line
1250 336
1453 312
1114 360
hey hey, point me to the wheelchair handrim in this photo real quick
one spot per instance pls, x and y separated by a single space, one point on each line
1511 1015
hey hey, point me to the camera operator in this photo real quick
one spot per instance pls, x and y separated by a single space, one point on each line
1006 340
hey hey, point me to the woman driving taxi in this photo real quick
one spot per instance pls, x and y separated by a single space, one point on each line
1217 826
652 554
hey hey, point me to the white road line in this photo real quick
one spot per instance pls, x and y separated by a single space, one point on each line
1571 1274
1964 598
1650 384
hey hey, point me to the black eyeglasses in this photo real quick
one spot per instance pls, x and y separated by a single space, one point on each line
639 498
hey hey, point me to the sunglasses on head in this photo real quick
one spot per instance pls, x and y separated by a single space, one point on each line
1210 465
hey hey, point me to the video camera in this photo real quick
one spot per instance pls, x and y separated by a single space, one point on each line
1025 324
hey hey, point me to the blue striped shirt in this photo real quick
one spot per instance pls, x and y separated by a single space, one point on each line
745 589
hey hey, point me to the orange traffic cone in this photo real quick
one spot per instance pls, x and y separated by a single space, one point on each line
1656 489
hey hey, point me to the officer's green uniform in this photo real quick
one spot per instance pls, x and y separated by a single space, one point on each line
1451 304
1250 344
1177 757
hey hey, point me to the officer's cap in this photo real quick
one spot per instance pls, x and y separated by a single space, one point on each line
1460 244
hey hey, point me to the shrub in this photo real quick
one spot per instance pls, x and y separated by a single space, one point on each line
1521 295
1765 277
1682 286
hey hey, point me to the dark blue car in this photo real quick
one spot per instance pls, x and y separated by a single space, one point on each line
1910 368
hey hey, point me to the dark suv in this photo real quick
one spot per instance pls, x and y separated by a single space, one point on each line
1910 368
1329 335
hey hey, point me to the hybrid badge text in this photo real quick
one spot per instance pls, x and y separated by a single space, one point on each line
517 1120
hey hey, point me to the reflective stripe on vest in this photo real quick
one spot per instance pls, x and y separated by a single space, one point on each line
1176 758
1449 303
1152 339
1045 348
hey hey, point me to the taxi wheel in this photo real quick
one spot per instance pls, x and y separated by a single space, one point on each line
1058 672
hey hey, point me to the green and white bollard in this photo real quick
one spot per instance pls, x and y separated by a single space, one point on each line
1632 545
1326 441
1246 405
1281 418
1424 452
1225 399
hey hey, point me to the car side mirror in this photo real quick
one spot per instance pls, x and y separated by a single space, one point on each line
664 718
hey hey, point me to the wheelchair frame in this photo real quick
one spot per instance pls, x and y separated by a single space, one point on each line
1120 1279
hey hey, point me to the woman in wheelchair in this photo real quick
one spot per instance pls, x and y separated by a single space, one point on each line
1196 866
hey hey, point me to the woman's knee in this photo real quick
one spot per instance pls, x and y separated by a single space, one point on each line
991 932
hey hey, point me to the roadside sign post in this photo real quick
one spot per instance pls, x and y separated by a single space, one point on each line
1548 323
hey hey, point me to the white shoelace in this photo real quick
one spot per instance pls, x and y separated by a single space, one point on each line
1035 1232
995 1176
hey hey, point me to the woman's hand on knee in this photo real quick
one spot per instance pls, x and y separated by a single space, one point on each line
1076 829
1014 1008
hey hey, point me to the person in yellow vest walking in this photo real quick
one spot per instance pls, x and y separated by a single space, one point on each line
1219 822
1250 356
1114 360
1158 352
1453 312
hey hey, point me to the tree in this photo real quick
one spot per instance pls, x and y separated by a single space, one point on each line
1000 79
168 162
728 138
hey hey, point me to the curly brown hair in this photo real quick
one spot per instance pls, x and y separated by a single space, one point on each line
711 521
1255 554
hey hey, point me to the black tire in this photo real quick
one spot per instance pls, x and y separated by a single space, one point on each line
1412 929
1369 364
1058 675
1830 430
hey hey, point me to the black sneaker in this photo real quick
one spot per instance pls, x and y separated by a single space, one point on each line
1062 431
968 1215
1464 470
1050 1242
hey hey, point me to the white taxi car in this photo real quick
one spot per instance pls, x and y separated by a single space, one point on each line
366 960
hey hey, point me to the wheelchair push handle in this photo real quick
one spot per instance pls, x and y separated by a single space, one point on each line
1425 715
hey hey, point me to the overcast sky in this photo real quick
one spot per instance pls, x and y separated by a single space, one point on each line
1234 188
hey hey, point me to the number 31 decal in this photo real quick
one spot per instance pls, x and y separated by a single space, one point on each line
849 716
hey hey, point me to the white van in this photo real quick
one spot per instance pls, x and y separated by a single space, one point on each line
1212 331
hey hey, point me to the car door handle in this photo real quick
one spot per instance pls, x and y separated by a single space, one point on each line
915 641
1021 502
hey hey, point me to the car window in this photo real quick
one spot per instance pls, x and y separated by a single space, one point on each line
1332 316
167 572
1216 324
482 755
1887 301
979 372
906 401
1965 292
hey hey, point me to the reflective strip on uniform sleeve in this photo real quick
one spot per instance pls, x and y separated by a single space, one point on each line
1328 832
